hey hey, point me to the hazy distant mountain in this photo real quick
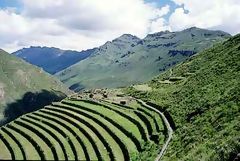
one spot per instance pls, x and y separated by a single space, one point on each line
24 87
128 59
52 60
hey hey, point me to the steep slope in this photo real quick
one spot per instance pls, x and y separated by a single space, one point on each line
202 96
52 60
24 87
128 59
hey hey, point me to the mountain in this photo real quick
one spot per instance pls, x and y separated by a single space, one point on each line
129 60
202 97
24 87
52 60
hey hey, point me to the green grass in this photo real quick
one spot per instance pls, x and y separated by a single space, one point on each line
141 131
98 142
31 152
113 115
65 125
127 141
44 131
113 145
17 150
133 112
5 150
46 148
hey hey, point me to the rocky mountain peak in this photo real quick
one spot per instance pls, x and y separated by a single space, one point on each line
127 38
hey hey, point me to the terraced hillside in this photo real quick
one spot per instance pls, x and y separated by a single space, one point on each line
76 129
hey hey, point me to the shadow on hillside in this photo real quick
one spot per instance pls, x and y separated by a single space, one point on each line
30 102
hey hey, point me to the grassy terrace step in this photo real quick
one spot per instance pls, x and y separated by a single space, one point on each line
100 109
159 109
69 142
128 138
151 119
146 121
43 142
6 149
128 113
156 120
145 117
157 124
61 152
15 144
97 144
62 127
34 152
141 133
117 129
112 143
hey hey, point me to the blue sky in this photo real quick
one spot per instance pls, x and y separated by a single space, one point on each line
84 24
10 3
161 3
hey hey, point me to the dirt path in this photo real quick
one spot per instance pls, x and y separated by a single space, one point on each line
170 130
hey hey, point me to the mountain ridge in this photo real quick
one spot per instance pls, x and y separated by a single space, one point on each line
52 59
138 60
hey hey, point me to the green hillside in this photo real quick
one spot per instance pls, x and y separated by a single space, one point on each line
203 97
24 87
129 60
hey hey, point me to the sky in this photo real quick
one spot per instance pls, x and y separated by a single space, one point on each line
84 24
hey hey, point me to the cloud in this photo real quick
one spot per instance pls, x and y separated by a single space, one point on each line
83 24
159 25
74 24
214 14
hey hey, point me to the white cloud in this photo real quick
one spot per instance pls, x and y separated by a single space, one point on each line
213 14
83 24
159 25
75 24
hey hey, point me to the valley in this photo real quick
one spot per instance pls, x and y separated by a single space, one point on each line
190 111
120 80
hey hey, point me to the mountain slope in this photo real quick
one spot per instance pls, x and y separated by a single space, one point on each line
52 60
128 59
23 87
202 96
